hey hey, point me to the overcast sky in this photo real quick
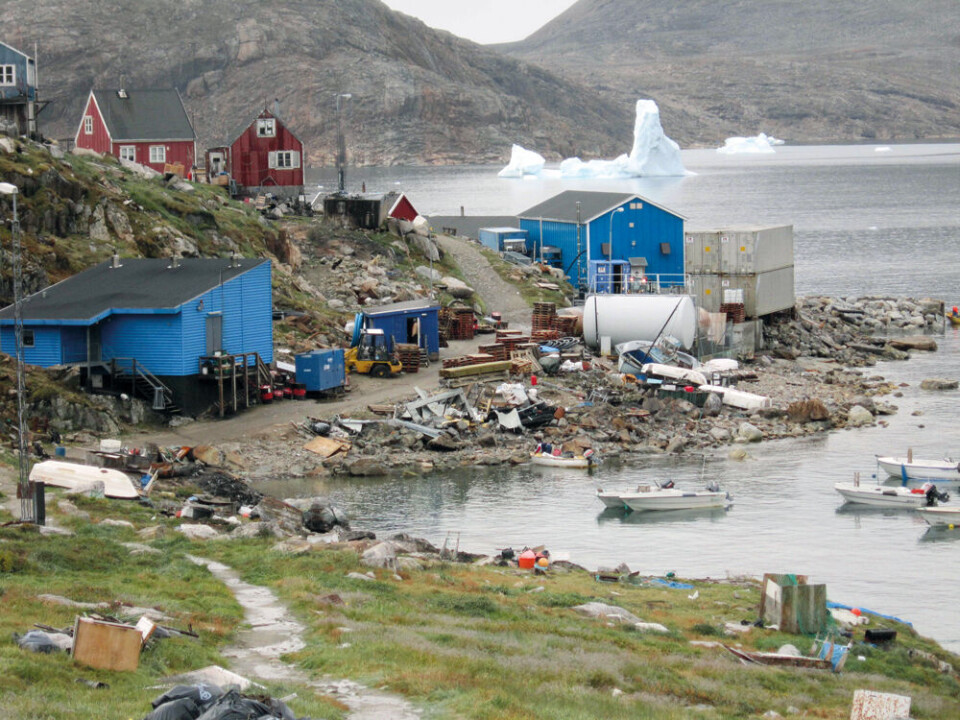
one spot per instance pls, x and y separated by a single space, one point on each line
484 21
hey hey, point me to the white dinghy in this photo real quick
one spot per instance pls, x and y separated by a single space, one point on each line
941 516
888 496
666 497
908 468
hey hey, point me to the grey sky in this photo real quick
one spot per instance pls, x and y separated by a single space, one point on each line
484 21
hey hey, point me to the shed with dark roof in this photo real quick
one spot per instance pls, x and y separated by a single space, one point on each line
150 127
606 226
162 316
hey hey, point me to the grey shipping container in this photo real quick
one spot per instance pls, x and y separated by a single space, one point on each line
749 250
706 291
701 251
321 370
763 293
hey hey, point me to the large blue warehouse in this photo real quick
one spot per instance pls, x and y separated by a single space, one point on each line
591 226
159 319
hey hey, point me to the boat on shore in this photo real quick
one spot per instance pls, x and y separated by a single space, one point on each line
908 468
941 516
890 497
116 483
545 455
666 497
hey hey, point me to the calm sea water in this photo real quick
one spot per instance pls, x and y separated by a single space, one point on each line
866 222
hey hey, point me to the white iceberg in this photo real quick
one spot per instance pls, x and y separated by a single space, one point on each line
522 162
762 143
653 154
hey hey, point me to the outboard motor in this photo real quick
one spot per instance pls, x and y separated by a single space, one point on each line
935 496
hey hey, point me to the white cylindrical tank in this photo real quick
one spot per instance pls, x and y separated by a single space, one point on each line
638 317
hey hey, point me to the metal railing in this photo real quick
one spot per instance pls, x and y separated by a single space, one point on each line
122 369
654 284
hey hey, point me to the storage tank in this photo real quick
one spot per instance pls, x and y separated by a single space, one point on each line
638 317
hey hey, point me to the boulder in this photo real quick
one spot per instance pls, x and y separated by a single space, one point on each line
426 273
198 532
749 433
914 342
323 518
208 455
858 416
804 411
287 517
713 405
612 613
381 555
457 288
720 434
257 529
938 384
364 466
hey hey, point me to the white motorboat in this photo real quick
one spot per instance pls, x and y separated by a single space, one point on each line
614 499
116 483
908 468
941 516
666 497
889 496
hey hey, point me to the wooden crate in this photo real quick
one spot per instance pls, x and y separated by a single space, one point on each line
106 645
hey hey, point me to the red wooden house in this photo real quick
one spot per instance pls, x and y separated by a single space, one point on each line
150 127
265 156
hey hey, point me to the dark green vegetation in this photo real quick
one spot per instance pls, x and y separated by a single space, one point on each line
458 641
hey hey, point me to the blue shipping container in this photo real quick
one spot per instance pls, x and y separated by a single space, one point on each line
321 370
503 238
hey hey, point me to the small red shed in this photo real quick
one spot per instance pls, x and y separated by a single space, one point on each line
264 156
150 127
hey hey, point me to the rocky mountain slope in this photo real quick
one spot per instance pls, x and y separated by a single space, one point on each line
419 95
811 71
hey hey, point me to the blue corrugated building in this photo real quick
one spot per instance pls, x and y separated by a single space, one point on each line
127 320
581 226
18 89
414 322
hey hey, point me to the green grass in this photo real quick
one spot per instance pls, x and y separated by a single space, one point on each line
527 286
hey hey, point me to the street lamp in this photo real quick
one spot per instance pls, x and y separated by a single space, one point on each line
341 145
610 242
23 485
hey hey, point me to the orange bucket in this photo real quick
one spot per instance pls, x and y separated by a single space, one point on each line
527 560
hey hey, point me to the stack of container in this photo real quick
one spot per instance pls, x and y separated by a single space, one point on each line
748 265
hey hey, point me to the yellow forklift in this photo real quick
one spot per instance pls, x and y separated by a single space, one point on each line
372 355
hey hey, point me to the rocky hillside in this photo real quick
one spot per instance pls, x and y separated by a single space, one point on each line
813 71
419 95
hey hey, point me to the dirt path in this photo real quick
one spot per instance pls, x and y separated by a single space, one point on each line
496 293
272 633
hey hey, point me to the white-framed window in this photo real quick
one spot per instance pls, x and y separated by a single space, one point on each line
266 127
128 152
158 153
29 339
284 160
8 75
88 124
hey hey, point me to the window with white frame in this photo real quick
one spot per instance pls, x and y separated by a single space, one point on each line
284 160
88 124
8 75
128 152
158 153
266 127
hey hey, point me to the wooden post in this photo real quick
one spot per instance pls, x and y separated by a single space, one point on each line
220 382
233 381
246 381
133 380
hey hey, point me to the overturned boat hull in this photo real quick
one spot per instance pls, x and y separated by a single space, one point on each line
116 484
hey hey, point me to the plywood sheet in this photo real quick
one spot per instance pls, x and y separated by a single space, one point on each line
106 645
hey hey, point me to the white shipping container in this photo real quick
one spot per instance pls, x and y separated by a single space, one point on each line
701 251
749 250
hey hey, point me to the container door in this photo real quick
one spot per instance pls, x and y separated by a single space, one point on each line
214 333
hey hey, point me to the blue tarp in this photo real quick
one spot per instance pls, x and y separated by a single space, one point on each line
868 612
672 584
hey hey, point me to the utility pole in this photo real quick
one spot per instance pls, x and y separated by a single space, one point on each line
341 146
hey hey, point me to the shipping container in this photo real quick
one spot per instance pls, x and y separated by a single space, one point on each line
701 251
321 370
750 250
501 239
763 293
706 290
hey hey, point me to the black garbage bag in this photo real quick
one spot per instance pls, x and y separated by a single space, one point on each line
203 695
182 709
37 641
234 706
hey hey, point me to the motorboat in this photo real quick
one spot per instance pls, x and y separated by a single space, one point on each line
633 355
613 499
548 457
664 496
889 496
908 468
73 476
941 516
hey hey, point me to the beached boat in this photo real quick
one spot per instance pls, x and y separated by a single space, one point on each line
116 483
908 468
888 496
941 516
570 461
954 319
667 497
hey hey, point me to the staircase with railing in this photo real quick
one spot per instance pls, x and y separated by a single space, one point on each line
238 378
128 373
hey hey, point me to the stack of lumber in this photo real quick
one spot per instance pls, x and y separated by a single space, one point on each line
409 357
498 351
542 336
456 323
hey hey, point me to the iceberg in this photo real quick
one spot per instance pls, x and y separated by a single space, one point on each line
522 162
762 143
653 154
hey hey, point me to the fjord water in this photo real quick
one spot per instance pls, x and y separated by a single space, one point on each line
866 223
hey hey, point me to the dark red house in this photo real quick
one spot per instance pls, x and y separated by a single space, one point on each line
265 156
150 127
